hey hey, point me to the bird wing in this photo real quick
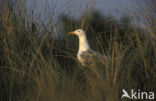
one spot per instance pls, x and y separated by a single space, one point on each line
90 56
99 55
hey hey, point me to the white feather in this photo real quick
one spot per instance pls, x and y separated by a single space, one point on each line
85 51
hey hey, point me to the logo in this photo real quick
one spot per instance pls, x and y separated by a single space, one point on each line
137 94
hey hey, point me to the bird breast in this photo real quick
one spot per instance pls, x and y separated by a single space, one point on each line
79 57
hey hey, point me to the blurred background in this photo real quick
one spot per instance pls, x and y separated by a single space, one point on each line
38 58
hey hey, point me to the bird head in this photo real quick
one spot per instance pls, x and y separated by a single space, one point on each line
78 32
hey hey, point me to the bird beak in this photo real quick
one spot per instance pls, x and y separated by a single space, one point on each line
70 33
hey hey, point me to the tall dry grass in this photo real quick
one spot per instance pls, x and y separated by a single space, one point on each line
35 66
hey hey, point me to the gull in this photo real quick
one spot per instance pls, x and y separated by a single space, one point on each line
85 54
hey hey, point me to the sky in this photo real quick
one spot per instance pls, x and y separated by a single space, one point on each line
77 7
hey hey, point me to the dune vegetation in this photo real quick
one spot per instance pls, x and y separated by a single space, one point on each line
38 60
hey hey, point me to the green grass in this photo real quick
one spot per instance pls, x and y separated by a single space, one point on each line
35 66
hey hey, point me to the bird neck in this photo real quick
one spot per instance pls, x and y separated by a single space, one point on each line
83 43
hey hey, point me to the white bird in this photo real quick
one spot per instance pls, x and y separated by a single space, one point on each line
85 54
125 94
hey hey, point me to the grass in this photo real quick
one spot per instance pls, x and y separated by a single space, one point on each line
34 65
